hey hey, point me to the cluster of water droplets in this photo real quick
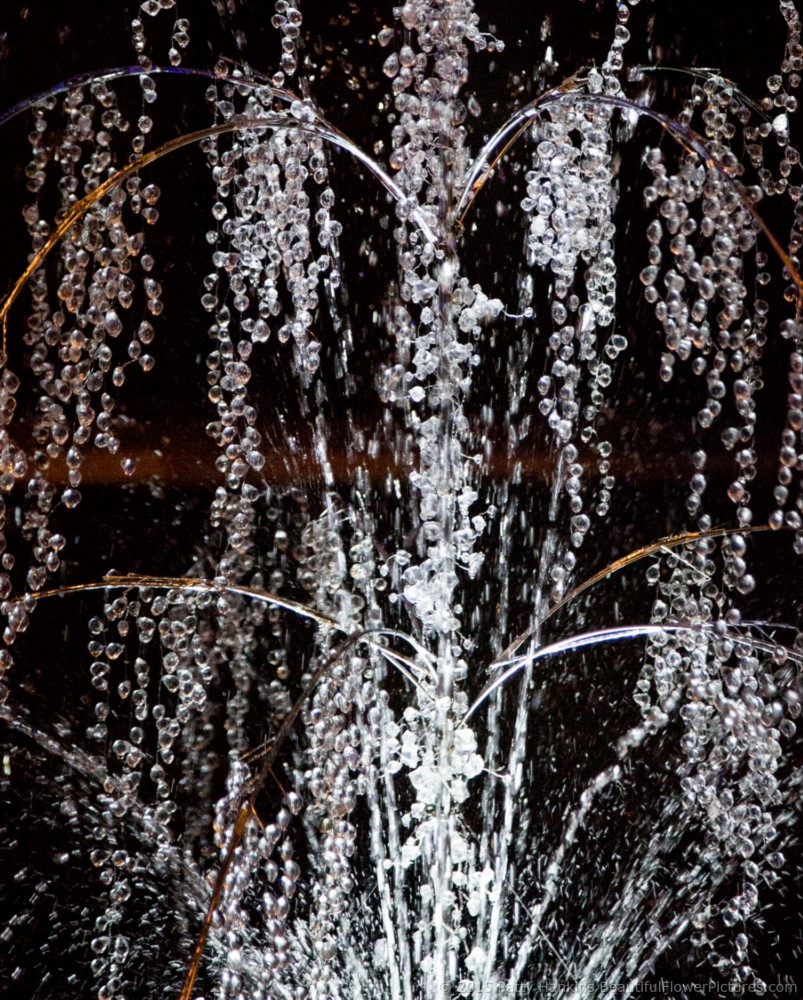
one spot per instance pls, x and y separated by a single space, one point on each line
179 38
738 696
78 337
267 242
189 676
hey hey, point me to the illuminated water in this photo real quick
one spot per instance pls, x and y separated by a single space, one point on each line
402 486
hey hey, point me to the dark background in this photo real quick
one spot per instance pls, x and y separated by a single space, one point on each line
157 521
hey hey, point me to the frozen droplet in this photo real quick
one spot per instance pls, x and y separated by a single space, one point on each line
391 65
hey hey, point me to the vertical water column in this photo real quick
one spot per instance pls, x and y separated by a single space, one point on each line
429 154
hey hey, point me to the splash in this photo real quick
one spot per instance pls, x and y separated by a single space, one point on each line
324 692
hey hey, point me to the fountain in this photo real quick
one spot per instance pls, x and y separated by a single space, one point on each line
400 427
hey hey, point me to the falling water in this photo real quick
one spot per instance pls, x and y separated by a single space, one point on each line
400 425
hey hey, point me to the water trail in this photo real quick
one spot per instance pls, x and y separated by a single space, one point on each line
352 713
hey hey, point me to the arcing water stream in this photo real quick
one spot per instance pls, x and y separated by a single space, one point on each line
390 690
